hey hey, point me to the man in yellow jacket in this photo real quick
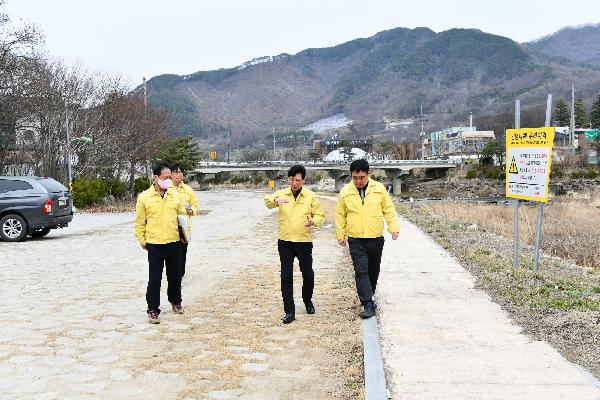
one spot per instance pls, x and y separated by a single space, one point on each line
157 231
362 206
188 199
299 211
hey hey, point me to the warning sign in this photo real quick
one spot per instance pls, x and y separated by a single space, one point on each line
513 167
530 152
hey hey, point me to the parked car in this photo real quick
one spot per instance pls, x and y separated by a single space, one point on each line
31 205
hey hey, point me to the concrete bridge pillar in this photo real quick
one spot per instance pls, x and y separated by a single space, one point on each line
340 178
276 176
202 179
394 175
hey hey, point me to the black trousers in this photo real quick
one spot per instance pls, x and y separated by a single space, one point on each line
303 252
182 257
159 256
366 257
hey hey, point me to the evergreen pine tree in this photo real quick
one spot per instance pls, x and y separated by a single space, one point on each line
562 114
595 113
183 150
581 118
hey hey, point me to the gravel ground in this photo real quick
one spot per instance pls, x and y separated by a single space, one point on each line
74 324
561 305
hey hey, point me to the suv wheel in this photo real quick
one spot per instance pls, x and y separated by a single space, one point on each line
41 232
13 228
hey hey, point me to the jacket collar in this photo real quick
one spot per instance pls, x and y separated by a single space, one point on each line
182 186
372 186
155 193
288 191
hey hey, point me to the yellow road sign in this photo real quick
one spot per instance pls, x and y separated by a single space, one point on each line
530 152
271 183
213 154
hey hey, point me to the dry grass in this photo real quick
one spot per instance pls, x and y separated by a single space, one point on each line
119 206
569 228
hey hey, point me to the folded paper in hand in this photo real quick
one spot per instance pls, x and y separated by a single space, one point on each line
184 229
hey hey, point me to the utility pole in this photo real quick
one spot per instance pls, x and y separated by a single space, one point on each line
274 158
228 143
572 124
148 168
69 166
422 135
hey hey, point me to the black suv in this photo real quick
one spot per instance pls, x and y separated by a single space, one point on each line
32 206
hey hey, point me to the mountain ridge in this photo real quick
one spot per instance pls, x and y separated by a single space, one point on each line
388 74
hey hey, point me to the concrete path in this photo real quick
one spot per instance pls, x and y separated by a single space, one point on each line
444 339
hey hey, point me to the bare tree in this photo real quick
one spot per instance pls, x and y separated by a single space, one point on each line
17 59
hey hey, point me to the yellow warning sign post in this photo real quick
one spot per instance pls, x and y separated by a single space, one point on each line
529 152
213 155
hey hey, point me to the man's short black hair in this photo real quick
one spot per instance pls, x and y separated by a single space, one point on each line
159 167
297 169
359 166
177 166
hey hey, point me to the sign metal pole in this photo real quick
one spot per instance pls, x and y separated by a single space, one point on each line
538 228
516 217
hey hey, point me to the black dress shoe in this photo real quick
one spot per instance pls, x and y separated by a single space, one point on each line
310 307
289 317
368 311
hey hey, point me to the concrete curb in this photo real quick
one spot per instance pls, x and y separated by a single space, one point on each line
375 386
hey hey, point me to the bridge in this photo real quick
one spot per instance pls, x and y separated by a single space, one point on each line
339 171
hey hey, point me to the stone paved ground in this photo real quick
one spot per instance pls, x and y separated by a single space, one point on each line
73 317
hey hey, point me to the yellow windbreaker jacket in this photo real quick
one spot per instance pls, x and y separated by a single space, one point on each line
187 196
292 215
358 220
156 216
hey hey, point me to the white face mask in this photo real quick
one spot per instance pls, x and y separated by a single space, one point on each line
163 184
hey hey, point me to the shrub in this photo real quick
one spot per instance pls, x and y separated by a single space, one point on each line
577 174
239 179
258 180
590 174
87 191
140 184
220 177
115 187
556 172
493 173
471 174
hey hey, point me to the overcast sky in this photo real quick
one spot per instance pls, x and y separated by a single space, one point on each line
139 38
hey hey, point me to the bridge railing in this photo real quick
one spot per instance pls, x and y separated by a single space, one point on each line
374 164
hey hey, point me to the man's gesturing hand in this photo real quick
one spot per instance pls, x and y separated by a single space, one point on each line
281 200
342 242
394 235
309 221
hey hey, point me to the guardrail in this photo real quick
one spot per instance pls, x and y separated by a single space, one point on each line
321 164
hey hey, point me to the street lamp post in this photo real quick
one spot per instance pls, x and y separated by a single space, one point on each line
69 166
228 143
